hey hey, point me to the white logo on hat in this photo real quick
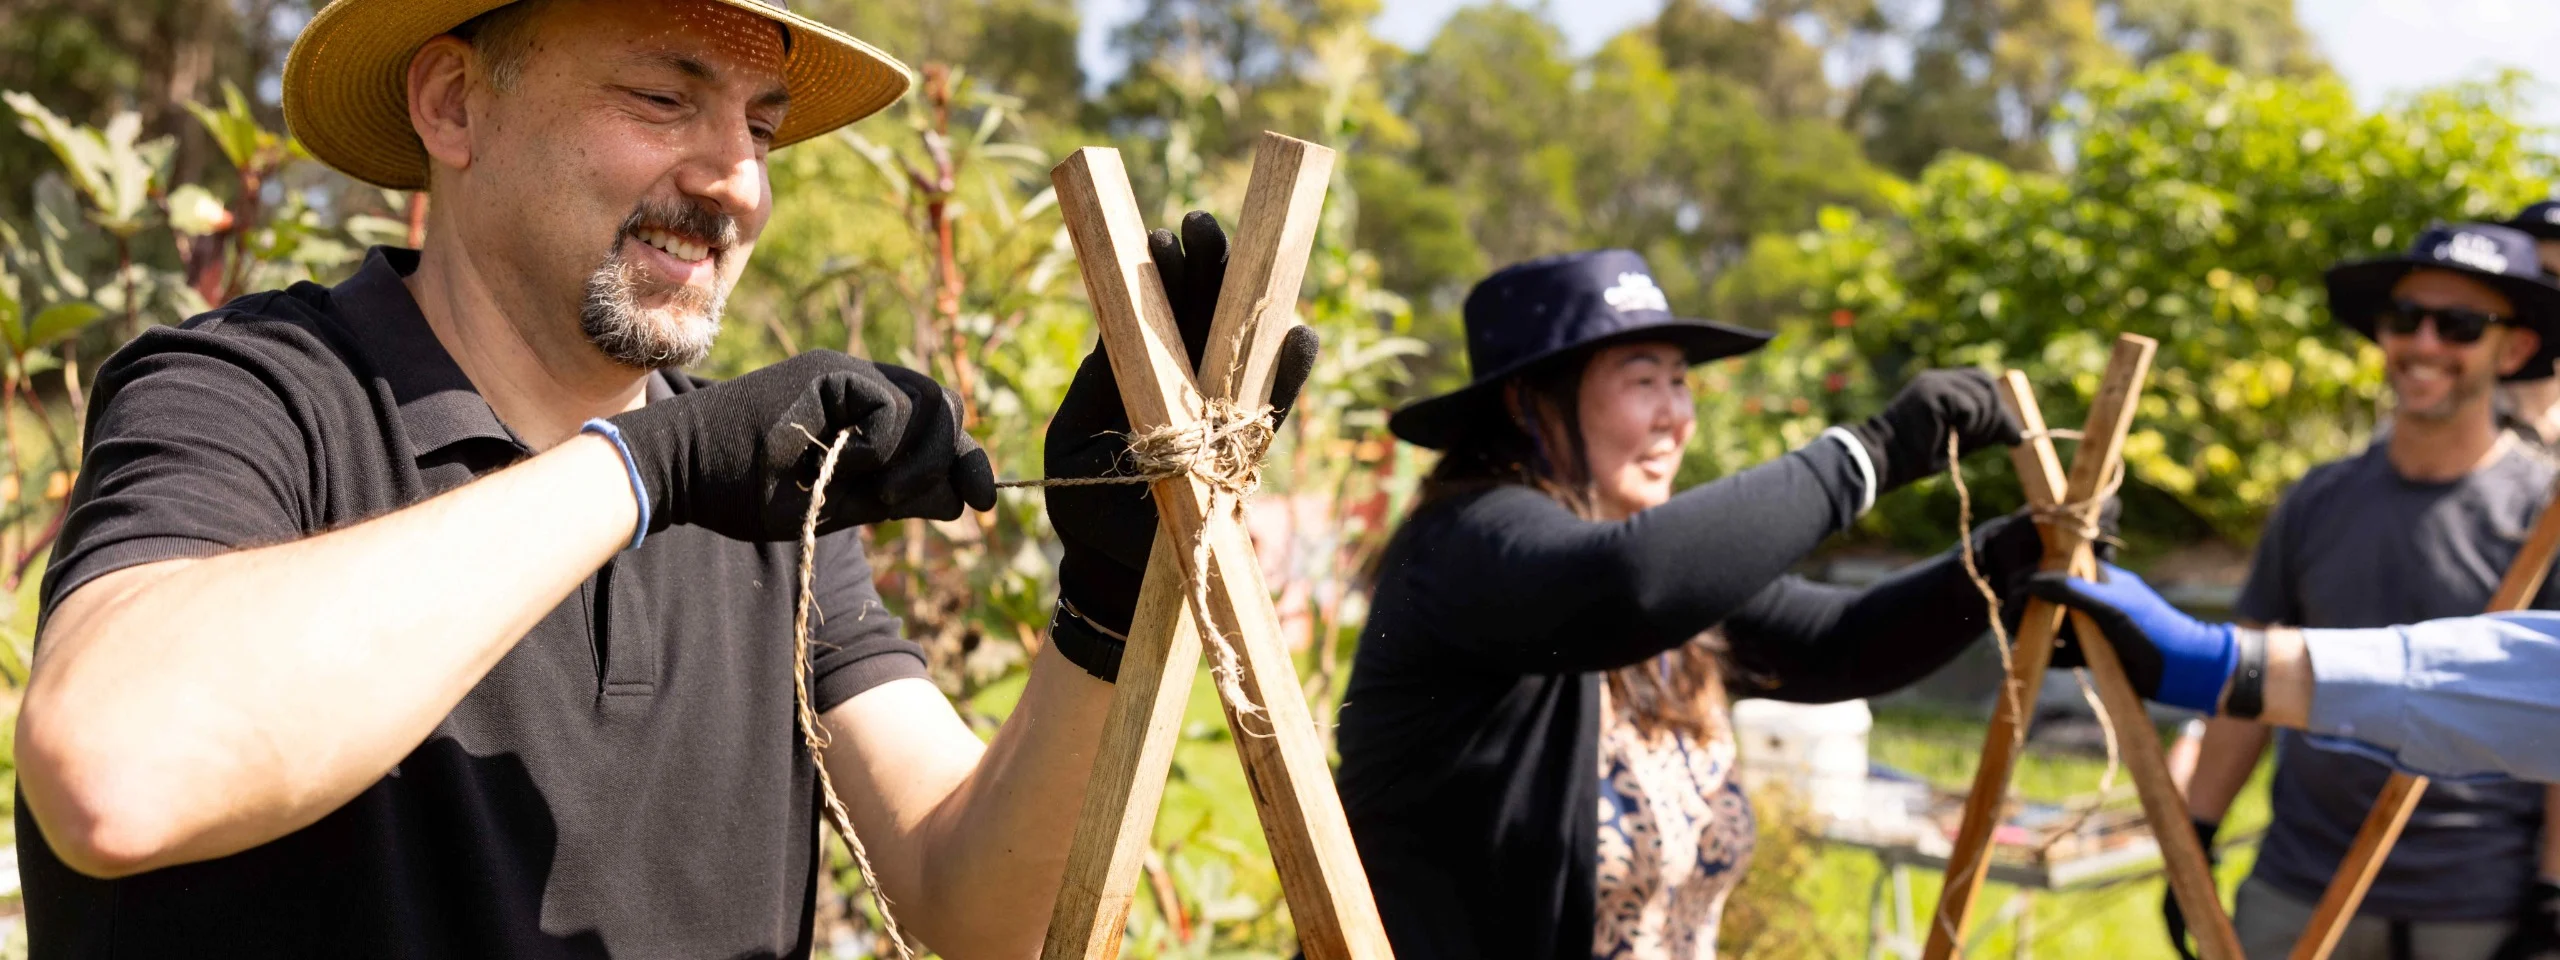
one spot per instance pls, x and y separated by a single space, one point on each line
1635 291
2474 251
2551 214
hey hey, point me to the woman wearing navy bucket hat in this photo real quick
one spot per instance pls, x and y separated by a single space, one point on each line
1534 750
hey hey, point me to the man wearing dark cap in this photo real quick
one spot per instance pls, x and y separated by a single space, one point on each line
2542 222
2530 405
2419 526
439 614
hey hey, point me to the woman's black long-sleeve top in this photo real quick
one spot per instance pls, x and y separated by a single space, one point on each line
1470 726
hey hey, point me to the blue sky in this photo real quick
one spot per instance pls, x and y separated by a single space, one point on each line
2383 47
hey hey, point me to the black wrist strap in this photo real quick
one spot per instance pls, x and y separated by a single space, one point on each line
1085 643
2248 694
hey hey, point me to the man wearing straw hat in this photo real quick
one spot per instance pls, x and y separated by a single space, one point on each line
437 614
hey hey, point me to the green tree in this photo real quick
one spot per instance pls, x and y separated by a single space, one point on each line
1216 73
1487 98
2253 36
1767 46
1026 48
2202 209
89 59
1990 76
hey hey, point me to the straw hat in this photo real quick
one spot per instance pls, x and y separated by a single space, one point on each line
346 83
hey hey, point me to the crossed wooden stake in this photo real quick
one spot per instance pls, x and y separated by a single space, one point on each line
1284 761
2190 874
2040 472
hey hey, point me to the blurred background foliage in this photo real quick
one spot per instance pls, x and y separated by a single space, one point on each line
2016 183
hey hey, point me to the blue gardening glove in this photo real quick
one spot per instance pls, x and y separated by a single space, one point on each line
2172 658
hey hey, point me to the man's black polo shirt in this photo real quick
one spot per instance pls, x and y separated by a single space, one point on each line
626 782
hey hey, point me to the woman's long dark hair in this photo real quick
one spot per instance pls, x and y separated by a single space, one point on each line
1533 437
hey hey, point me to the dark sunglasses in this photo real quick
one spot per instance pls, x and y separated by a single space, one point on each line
2453 324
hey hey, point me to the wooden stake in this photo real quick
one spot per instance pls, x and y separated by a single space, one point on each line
2190 878
1129 767
1970 860
2400 796
1284 760
1283 205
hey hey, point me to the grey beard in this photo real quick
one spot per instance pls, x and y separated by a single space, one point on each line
613 320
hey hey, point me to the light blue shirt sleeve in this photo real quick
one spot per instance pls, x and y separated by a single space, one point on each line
2457 698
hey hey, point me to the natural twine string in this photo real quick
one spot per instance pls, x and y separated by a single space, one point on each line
1223 448
812 734
2075 514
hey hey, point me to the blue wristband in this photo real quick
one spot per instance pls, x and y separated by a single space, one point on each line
639 491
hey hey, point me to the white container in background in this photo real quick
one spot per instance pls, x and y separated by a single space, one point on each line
1819 751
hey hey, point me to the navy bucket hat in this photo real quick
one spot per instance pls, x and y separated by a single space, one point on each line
1544 310
2501 257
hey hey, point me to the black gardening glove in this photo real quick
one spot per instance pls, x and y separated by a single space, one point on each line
737 458
1908 441
2170 914
2537 925
1108 530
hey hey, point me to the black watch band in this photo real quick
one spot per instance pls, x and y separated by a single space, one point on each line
2248 694
1085 643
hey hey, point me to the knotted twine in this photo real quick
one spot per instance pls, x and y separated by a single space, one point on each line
1223 448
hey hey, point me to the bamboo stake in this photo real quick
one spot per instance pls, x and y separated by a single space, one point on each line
2400 796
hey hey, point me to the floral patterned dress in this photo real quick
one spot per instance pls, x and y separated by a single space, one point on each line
1675 835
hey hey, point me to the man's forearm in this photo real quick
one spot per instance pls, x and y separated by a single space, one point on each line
2290 683
971 841
2461 697
2223 765
189 709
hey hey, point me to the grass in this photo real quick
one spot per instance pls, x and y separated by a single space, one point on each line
1220 865
2118 920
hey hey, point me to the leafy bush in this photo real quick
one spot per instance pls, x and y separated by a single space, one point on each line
2200 208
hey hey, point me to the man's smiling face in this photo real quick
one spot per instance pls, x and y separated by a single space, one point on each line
2435 377
619 164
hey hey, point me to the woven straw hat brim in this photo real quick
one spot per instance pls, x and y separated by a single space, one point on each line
346 82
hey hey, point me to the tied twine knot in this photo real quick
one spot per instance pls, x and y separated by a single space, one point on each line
1223 448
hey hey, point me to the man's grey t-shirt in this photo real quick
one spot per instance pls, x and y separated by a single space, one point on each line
2356 545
